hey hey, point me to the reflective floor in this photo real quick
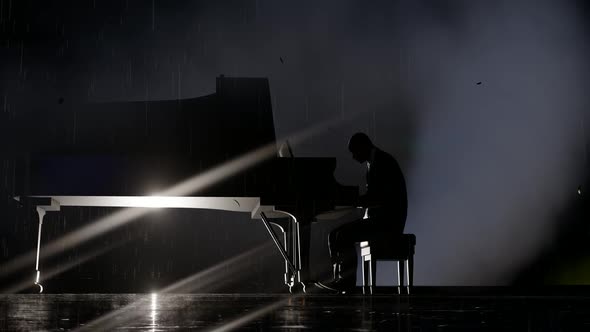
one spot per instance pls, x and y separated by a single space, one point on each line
254 312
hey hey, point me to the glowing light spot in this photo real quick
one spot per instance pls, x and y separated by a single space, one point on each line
153 312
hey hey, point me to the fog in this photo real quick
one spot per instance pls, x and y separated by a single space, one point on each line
480 101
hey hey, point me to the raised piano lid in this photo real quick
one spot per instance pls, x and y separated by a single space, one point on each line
139 147
236 119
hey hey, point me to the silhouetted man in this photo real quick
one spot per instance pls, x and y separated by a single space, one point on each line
386 204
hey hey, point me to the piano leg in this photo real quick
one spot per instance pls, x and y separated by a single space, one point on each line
297 249
298 285
286 226
41 210
291 267
288 275
298 243
303 234
41 213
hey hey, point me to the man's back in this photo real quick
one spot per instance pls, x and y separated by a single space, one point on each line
386 190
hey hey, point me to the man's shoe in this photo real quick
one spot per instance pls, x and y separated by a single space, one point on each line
324 289
337 286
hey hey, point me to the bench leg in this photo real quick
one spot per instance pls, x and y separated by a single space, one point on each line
410 269
364 271
400 276
367 271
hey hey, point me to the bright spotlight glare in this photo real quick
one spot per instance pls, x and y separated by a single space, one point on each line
154 310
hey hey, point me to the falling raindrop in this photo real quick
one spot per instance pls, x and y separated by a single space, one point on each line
20 71
4 248
74 128
340 101
179 83
147 104
190 138
14 176
307 108
374 125
5 171
130 74
153 15
172 82
255 9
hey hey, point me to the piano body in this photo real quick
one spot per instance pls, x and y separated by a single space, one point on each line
130 155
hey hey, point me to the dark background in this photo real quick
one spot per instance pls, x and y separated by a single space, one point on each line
483 103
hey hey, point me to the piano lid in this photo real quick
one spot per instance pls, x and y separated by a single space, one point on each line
139 147
235 119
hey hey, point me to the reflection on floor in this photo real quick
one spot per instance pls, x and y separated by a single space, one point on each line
421 311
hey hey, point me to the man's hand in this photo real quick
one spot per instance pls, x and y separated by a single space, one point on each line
367 201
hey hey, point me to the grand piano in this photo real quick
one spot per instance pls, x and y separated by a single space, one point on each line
217 151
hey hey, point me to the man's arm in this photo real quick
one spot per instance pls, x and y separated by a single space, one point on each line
381 188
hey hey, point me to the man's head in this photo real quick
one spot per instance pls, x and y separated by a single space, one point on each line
360 146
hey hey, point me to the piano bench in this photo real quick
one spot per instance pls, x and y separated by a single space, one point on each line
399 249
